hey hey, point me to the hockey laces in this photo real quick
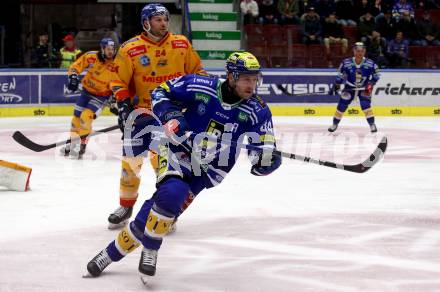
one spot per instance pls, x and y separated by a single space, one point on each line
121 211
149 257
103 260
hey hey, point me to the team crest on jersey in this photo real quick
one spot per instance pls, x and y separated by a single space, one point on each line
201 109
144 60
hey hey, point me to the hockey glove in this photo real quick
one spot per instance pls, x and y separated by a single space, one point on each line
73 82
113 106
368 90
334 89
176 126
259 170
124 109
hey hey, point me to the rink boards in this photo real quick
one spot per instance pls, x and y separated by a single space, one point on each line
398 93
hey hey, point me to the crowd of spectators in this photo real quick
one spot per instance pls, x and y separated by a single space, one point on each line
46 55
386 27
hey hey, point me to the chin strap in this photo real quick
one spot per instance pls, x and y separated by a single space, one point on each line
149 33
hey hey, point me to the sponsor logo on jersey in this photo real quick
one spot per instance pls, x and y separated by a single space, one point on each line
144 60
215 128
161 78
202 97
136 51
91 60
243 117
162 63
177 44
222 115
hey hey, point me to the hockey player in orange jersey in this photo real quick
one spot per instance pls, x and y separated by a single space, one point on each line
143 63
95 93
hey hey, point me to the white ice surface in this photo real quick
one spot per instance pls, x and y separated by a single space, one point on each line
303 228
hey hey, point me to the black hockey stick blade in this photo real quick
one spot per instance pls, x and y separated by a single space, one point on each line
374 158
21 139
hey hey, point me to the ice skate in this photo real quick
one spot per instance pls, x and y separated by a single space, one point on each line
119 217
173 227
77 151
333 128
98 264
65 150
147 265
373 128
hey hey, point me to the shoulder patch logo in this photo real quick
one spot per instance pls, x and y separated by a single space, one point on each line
202 97
136 51
242 116
178 44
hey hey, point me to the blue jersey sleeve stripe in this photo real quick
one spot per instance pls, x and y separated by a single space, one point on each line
213 91
201 91
253 120
251 110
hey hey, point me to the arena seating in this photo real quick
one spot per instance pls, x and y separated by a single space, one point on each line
279 46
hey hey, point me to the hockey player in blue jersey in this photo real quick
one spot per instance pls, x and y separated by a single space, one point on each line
207 106
359 75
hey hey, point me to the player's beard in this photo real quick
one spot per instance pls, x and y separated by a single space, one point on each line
157 34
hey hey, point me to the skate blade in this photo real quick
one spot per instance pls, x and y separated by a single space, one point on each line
74 157
87 275
113 226
145 279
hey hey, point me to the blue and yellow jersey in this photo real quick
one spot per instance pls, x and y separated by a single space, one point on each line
357 76
206 112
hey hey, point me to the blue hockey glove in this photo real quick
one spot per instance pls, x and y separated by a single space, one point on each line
124 109
334 89
259 170
73 82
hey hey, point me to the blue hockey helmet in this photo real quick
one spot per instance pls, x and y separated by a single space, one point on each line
105 42
242 63
151 10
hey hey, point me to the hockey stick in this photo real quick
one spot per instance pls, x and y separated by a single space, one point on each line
21 139
362 167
